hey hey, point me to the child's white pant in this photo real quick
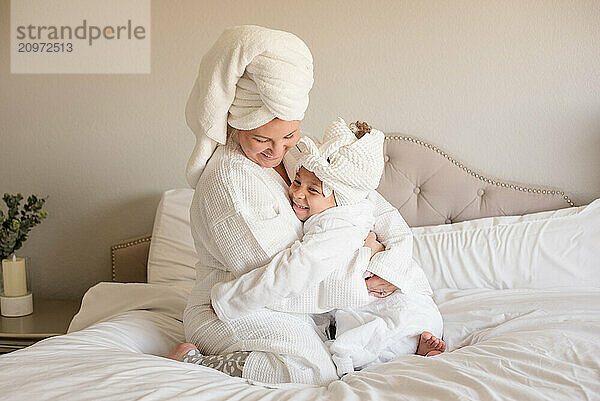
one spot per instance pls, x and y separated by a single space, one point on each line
382 330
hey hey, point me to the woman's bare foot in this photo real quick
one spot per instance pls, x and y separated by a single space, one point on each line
430 345
179 352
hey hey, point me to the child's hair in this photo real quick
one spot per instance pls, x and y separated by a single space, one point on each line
360 128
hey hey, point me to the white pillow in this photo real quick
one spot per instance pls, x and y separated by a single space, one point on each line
545 249
172 257
553 248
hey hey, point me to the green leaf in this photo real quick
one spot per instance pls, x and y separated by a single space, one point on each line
16 224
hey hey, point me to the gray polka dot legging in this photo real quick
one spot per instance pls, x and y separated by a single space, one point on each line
232 364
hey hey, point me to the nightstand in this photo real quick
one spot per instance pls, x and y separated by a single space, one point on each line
49 318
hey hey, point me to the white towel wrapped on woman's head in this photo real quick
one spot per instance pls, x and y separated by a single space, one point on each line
349 166
250 76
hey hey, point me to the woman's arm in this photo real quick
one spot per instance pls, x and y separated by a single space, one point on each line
395 265
377 286
345 287
290 272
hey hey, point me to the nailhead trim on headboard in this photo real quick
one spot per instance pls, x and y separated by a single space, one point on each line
477 175
122 245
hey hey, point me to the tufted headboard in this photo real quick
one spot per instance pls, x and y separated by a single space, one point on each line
430 187
426 184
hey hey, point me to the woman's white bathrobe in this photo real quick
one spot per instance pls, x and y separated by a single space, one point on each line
242 222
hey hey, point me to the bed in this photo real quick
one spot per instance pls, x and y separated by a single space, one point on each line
513 267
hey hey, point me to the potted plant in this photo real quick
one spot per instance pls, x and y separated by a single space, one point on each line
15 225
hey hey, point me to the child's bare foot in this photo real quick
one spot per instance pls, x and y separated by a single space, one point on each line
179 352
430 345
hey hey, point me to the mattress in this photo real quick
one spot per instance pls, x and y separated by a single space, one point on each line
541 345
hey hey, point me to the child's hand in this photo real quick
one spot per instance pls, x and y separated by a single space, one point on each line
371 242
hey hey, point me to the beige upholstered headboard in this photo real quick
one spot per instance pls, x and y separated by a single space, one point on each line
426 184
431 187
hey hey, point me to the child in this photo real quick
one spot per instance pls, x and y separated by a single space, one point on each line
334 182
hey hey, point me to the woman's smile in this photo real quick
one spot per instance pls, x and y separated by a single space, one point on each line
267 156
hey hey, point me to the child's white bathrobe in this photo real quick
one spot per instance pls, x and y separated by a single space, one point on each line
250 256
387 327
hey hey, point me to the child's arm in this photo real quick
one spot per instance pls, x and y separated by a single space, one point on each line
395 264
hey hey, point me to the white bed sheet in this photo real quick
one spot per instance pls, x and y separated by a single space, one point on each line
518 345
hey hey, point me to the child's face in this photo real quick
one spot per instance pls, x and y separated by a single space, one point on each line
306 195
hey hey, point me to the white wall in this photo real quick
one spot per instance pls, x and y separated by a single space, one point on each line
512 88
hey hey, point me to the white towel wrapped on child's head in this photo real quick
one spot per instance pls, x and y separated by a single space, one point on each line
348 166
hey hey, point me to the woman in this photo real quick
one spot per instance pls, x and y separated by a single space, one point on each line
251 93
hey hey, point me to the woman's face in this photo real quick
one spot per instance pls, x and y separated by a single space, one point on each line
267 144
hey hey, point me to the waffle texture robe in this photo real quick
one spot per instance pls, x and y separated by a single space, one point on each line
242 221
376 331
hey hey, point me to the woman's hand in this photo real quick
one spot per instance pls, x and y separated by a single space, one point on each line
379 288
376 286
371 242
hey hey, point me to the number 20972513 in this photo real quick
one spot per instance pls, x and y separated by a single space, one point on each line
45 47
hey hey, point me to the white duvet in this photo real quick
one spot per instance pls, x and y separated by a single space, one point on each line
516 345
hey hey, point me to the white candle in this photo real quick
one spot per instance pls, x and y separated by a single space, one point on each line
13 275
